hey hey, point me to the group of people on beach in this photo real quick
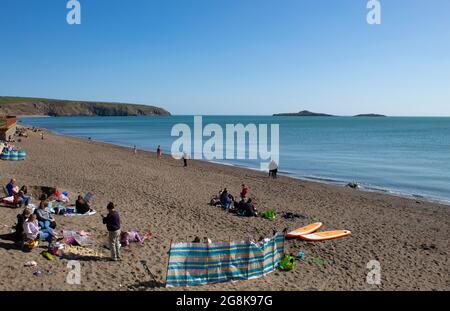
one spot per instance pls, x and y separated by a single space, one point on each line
36 223
242 207
18 197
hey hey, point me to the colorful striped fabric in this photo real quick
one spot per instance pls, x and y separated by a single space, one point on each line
202 263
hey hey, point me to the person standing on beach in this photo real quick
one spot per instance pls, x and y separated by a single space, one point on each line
158 152
244 191
273 169
112 222
135 150
185 157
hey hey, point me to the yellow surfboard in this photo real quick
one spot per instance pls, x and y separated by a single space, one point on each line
325 235
305 230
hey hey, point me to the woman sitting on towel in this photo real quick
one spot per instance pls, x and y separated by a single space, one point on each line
19 227
226 199
31 229
82 206
44 217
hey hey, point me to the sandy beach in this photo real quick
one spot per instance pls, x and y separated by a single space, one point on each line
408 237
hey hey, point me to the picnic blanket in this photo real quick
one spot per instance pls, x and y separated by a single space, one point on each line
204 263
79 237
87 214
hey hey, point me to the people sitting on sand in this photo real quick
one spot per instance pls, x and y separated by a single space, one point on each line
249 209
44 216
82 206
20 196
10 186
133 236
34 233
226 199
196 240
246 208
61 196
19 227
22 133
215 200
26 198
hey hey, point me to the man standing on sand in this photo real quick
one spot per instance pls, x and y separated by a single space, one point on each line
158 152
185 157
112 222
135 150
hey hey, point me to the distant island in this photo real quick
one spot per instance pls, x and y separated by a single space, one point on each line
26 106
304 113
372 115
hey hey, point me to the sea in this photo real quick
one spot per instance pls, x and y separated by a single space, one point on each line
405 156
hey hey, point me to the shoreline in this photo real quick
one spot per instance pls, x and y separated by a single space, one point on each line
322 180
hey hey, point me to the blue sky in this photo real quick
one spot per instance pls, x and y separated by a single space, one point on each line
232 56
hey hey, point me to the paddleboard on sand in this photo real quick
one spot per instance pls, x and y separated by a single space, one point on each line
325 235
305 230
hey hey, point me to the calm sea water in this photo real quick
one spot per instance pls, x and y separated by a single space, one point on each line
401 155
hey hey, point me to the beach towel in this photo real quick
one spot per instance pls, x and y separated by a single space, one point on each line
87 214
72 237
7 202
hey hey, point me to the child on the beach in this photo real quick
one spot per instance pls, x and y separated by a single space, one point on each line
133 236
112 222
244 191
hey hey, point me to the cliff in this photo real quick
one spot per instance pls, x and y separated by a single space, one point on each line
55 107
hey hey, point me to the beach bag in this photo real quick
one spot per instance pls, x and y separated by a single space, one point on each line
31 244
269 215
47 255
288 263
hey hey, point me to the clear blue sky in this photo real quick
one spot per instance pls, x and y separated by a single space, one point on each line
232 56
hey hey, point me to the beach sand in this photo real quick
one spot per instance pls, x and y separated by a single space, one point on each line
408 237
